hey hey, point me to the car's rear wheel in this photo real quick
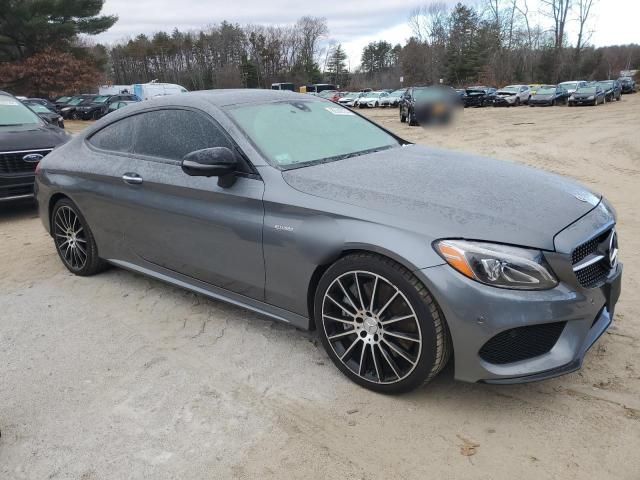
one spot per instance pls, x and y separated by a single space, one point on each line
74 241
379 324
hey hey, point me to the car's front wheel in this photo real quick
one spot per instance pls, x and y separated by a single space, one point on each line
74 241
379 324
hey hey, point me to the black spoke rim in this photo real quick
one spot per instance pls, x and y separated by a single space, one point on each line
70 238
371 327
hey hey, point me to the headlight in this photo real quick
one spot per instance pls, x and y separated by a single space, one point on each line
66 109
498 265
591 98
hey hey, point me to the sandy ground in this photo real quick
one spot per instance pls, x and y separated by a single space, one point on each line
118 376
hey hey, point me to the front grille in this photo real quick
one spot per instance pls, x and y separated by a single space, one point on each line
593 274
12 163
521 343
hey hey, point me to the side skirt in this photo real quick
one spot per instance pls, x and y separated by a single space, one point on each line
217 293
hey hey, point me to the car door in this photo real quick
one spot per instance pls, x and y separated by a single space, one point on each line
190 224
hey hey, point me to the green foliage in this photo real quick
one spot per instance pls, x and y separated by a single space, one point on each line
336 68
31 26
379 56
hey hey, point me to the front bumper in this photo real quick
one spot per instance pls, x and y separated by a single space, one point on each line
581 101
540 103
504 102
16 187
476 313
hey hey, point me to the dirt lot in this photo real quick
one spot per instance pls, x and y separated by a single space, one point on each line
118 376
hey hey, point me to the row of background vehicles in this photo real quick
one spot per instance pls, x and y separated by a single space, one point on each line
31 128
436 104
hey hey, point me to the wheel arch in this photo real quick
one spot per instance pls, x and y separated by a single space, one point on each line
347 250
55 198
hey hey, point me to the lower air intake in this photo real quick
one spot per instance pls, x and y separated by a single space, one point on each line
521 343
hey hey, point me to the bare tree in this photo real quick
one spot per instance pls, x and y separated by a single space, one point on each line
584 9
558 10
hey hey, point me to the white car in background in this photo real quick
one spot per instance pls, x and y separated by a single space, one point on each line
393 99
350 99
512 95
573 85
371 99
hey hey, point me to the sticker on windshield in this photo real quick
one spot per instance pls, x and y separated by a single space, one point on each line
339 111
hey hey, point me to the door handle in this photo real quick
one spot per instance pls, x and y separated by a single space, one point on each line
132 178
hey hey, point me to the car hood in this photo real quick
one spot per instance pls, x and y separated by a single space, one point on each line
31 137
543 96
446 194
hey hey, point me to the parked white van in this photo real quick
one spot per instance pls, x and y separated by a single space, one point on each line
146 91
115 89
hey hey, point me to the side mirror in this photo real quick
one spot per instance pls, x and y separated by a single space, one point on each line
212 162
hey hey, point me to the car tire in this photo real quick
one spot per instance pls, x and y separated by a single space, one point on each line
403 118
75 116
412 120
517 101
74 240
357 307
553 103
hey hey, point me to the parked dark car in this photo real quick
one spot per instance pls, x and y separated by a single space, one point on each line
425 105
479 96
62 101
47 115
401 256
628 84
70 109
99 106
549 95
24 140
43 101
612 89
121 104
589 95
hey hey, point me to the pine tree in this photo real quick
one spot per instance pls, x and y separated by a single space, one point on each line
31 26
336 69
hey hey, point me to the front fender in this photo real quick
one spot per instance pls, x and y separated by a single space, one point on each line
298 242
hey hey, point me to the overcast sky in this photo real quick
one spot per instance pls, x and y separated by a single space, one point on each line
352 23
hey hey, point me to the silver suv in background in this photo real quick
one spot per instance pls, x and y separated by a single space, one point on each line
573 85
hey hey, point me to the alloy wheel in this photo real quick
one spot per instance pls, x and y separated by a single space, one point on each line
70 238
371 327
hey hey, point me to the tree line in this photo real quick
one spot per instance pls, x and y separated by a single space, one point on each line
44 49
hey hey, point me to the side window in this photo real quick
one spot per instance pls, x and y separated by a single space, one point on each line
117 137
174 133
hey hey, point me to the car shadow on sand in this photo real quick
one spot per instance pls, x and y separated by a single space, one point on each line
18 210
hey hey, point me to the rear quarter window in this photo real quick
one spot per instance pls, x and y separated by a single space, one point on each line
117 137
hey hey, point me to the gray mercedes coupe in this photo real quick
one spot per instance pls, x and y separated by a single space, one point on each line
400 255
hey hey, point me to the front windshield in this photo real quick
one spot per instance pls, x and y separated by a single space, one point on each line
76 101
510 89
586 90
298 133
569 86
63 99
100 99
424 93
396 94
36 107
546 90
374 94
13 113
